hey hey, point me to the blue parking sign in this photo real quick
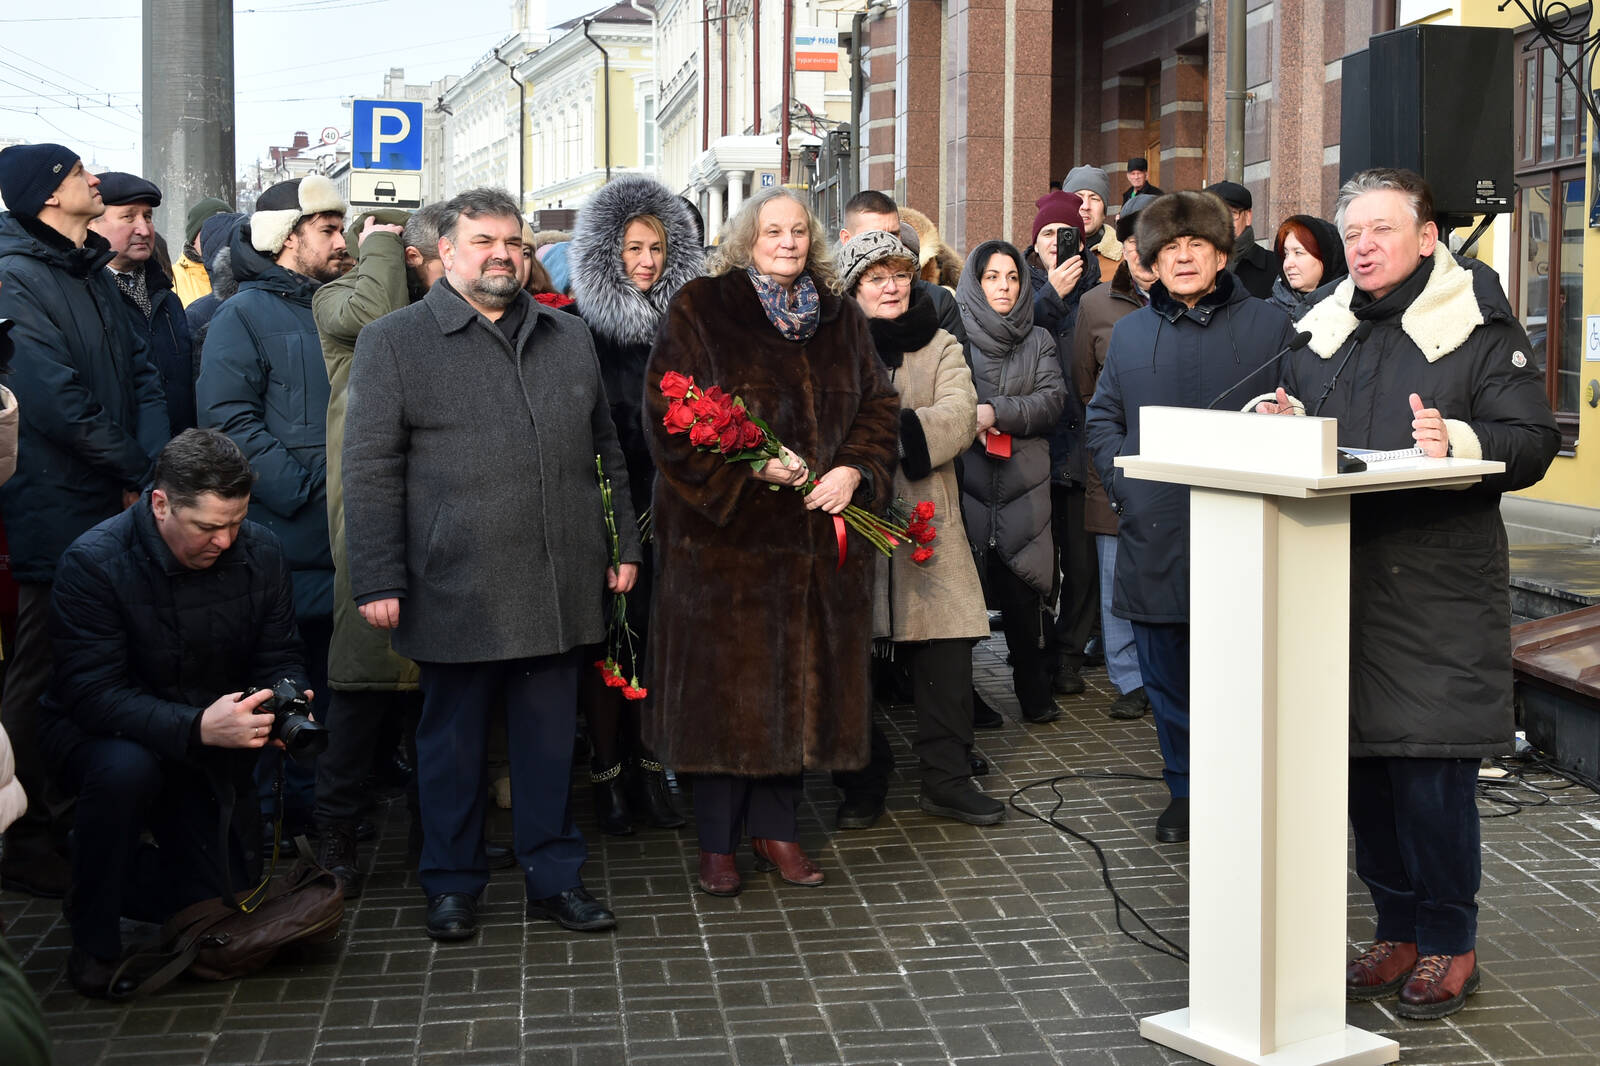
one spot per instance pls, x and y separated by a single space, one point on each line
386 134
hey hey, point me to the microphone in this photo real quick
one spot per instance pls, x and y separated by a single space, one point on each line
1298 341
1363 331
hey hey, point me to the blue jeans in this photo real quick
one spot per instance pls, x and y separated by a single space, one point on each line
1418 848
1164 658
1116 634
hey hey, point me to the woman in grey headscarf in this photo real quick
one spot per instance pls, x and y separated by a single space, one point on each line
1005 483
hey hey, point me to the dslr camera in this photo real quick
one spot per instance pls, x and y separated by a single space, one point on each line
291 721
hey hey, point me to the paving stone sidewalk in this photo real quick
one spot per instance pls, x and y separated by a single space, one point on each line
931 942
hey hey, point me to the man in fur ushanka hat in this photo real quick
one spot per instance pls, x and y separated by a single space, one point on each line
263 383
1200 336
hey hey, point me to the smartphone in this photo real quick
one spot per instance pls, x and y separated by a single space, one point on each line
1066 244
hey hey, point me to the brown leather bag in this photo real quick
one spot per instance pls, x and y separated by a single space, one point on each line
305 905
218 939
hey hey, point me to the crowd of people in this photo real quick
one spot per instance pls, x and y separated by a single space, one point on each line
357 457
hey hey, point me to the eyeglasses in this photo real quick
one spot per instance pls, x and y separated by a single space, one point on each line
881 281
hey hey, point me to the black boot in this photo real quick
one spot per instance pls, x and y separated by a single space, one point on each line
651 796
610 801
336 853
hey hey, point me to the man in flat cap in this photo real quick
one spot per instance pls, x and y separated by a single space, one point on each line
263 382
147 293
1255 266
1139 183
92 422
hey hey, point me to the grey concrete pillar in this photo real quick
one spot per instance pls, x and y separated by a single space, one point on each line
188 107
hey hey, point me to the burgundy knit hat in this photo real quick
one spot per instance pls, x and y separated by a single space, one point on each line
1059 206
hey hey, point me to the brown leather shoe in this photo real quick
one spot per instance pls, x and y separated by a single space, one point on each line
718 874
786 857
1380 971
1439 985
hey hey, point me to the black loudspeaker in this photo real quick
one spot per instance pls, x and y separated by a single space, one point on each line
1355 114
1441 103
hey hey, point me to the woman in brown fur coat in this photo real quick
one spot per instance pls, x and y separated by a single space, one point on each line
760 638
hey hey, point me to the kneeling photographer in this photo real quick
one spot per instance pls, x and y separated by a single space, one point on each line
162 618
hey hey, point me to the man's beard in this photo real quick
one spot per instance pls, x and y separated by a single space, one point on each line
324 270
494 290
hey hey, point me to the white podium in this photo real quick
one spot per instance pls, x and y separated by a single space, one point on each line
1269 729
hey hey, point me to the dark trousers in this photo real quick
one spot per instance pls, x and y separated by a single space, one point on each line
941 690
300 778
358 732
38 831
1024 622
728 807
1079 604
872 780
1164 665
538 699
1417 848
122 788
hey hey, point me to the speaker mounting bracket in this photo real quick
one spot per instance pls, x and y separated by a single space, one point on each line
1559 26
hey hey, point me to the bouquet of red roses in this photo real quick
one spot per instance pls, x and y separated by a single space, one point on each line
618 631
721 423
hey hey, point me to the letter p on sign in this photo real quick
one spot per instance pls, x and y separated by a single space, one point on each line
387 134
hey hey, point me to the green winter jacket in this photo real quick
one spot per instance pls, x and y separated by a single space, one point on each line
359 657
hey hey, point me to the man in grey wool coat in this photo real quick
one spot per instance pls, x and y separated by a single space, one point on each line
476 537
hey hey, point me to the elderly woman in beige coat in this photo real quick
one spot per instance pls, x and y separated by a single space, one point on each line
932 610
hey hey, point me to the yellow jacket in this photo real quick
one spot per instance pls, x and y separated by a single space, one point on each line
189 279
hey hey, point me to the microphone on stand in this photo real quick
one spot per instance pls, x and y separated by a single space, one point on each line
1298 341
1363 331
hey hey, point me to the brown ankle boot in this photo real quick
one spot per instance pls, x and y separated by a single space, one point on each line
785 856
1439 985
1380 971
718 874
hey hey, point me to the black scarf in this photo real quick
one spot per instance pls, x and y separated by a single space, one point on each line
1364 307
894 337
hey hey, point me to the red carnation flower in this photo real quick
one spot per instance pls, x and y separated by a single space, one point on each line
923 534
921 555
676 385
923 510
634 692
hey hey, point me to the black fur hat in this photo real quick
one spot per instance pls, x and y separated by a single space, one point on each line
1183 214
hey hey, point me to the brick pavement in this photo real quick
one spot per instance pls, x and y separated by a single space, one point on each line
932 942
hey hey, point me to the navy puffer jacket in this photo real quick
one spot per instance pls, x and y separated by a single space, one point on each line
1169 355
263 382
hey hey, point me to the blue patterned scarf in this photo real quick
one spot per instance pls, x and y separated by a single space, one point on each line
796 313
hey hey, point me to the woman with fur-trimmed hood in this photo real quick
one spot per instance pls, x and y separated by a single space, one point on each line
634 247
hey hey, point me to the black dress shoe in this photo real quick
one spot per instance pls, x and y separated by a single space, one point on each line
860 811
452 916
1067 682
97 978
501 857
575 909
979 764
1173 825
1041 715
1129 706
963 803
983 715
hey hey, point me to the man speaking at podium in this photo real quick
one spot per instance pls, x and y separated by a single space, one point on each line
1418 349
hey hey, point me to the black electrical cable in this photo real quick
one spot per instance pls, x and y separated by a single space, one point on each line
1172 948
1519 790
